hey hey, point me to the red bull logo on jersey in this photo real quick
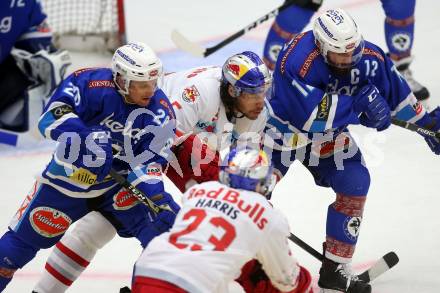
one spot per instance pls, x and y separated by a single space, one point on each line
49 222
124 200
190 94
228 201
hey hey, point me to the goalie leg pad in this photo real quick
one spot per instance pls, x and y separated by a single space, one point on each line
13 83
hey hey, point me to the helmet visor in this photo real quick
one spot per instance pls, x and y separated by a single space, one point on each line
257 90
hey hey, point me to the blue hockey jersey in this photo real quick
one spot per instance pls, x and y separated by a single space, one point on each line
307 97
88 99
22 24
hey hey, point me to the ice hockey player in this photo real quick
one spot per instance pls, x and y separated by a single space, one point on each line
399 35
27 59
325 80
221 226
92 112
226 102
220 107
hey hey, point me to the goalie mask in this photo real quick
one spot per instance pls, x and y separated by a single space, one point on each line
248 169
135 61
336 32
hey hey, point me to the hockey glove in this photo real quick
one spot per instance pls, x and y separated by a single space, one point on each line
164 220
373 109
160 223
196 156
95 156
434 143
254 279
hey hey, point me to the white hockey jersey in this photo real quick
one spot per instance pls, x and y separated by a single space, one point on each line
195 96
215 233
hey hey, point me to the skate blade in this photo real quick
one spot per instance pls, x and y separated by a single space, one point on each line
329 291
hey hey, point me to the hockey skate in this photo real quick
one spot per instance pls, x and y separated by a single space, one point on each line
420 91
335 277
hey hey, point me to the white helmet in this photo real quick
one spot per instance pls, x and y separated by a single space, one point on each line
248 169
135 61
337 32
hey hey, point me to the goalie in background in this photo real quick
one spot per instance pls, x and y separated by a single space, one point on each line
222 227
30 66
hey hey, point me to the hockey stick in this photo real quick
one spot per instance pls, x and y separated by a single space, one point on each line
140 195
413 127
384 264
198 51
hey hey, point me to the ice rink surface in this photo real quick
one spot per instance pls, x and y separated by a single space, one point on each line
402 210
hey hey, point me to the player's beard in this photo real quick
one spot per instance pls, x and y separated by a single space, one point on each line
340 71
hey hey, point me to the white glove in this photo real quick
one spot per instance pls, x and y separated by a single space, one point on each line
43 67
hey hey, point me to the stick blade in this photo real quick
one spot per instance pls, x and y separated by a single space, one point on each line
385 263
186 45
391 259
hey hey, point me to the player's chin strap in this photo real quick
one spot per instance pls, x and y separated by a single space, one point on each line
381 266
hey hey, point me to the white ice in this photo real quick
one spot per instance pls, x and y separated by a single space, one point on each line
402 210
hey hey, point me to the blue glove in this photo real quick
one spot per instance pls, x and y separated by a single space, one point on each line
164 220
434 143
148 179
160 223
372 107
95 153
